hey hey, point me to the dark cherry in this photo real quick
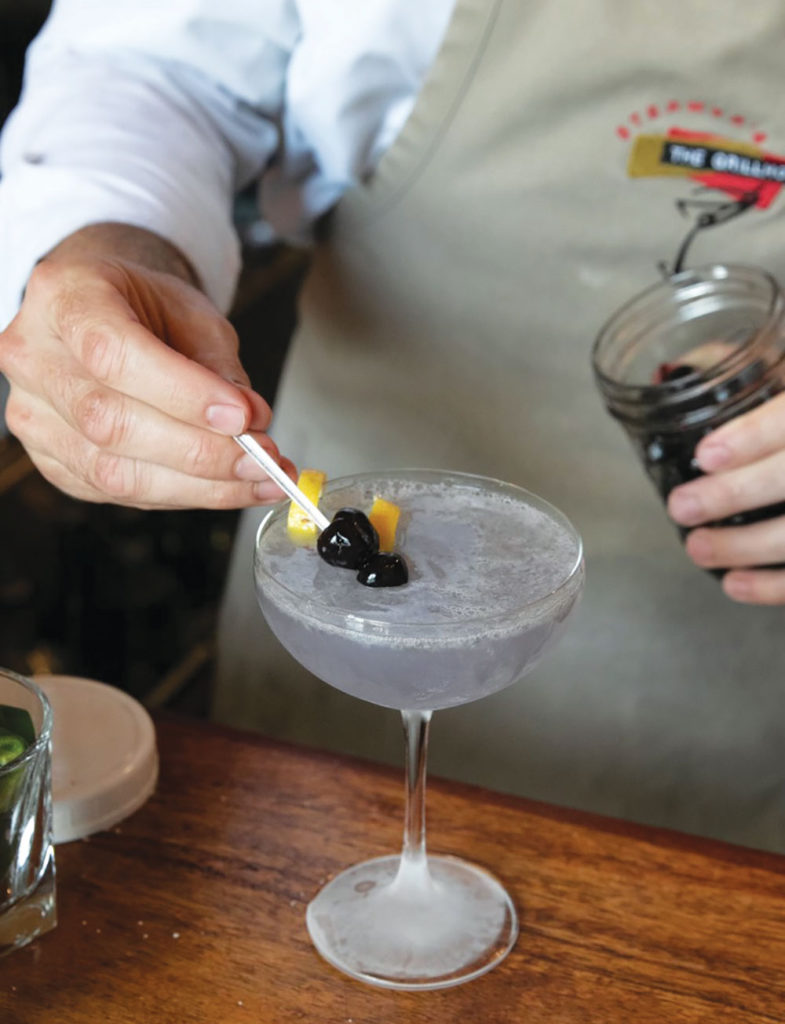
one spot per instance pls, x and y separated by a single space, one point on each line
684 370
667 372
349 540
348 513
384 569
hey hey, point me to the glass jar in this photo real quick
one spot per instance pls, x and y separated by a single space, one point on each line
685 356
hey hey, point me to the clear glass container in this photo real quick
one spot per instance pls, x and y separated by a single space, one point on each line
27 869
685 356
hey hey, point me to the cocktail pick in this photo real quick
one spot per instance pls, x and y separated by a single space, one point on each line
270 466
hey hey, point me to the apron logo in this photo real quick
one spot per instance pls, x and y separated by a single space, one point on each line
741 174
736 168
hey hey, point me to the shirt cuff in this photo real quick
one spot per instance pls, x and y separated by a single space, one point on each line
149 152
41 205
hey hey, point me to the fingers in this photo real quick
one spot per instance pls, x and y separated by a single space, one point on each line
124 385
133 483
91 474
738 548
717 496
193 327
118 425
759 587
744 463
753 436
728 547
105 334
125 357
150 463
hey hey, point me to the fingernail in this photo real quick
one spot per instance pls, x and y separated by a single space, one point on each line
737 586
685 508
700 546
247 468
712 455
228 419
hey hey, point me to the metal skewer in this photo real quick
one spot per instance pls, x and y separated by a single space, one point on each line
273 470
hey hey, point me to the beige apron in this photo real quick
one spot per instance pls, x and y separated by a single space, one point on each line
448 322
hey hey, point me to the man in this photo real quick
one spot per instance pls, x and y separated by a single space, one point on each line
494 196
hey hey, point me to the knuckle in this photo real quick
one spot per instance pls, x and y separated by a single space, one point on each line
114 475
13 352
227 331
200 458
99 417
58 476
225 334
223 496
68 303
45 281
101 351
18 416
70 291
54 473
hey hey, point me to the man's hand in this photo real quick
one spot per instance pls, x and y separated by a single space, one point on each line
744 462
126 385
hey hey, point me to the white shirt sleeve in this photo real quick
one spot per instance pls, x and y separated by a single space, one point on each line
155 113
144 113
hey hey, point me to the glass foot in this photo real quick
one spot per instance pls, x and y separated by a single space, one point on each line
425 925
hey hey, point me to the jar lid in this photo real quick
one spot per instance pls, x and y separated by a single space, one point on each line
104 755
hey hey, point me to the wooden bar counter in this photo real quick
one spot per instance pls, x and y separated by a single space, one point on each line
192 911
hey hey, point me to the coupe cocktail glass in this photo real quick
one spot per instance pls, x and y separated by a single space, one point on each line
494 574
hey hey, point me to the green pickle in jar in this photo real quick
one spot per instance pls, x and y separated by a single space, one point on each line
17 734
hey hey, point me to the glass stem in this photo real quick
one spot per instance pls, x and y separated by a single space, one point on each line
414 864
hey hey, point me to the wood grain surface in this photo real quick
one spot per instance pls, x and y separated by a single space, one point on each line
192 911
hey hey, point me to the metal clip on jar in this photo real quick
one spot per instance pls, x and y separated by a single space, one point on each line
687 355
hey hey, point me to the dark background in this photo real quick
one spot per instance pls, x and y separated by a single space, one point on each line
120 595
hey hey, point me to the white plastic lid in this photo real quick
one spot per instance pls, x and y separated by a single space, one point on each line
104 755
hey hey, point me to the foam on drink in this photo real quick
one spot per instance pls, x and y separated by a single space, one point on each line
488 586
